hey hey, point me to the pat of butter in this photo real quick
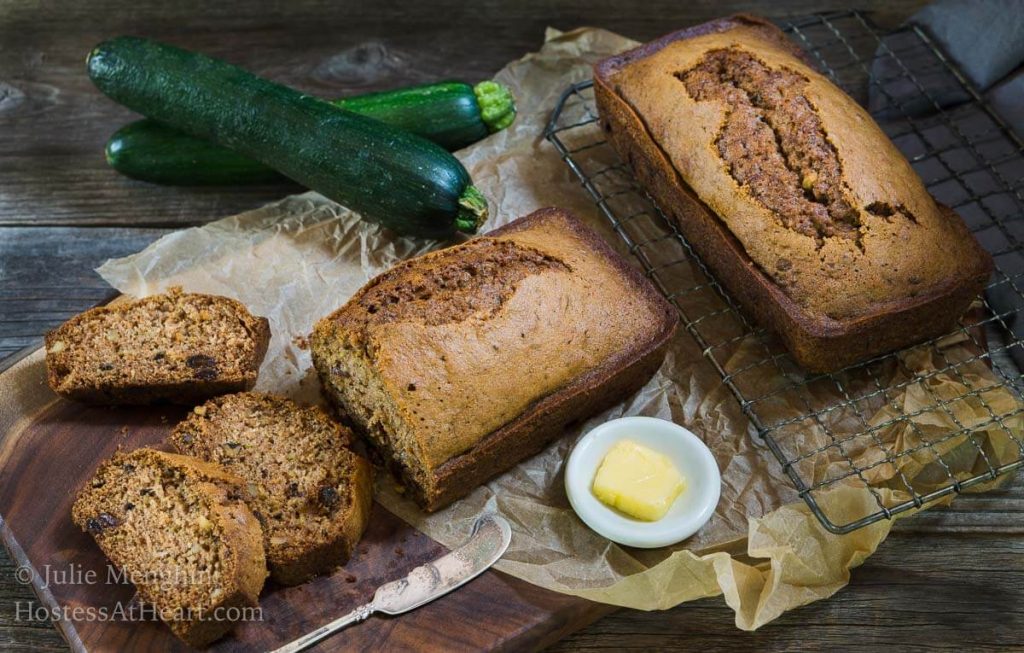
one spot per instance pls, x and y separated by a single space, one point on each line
638 481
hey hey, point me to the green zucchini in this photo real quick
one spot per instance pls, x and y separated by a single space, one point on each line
388 175
452 114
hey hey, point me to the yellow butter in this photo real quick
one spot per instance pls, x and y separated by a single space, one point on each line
638 481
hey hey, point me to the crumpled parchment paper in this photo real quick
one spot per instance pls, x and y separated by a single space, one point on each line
296 260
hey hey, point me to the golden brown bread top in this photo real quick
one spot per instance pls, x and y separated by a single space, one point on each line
466 338
817 195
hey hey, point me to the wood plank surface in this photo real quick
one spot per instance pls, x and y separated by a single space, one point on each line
919 593
946 579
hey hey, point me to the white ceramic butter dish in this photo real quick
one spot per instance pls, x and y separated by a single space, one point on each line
690 456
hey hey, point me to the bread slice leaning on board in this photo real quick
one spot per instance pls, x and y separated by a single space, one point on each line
181 532
310 491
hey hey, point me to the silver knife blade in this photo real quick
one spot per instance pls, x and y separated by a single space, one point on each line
487 543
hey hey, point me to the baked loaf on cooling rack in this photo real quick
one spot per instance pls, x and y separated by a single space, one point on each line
177 347
789 191
458 364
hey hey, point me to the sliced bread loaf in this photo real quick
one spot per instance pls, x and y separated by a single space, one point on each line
460 363
178 347
312 494
182 533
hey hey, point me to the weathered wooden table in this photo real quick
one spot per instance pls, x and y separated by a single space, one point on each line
947 579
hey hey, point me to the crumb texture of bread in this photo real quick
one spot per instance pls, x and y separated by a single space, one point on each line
176 347
311 493
435 356
816 193
182 533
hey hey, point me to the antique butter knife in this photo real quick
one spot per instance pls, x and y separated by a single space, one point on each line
488 541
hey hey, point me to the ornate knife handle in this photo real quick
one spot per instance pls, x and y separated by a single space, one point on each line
304 642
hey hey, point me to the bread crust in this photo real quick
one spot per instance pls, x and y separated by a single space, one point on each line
818 343
545 420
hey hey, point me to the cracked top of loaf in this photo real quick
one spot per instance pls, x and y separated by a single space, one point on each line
817 195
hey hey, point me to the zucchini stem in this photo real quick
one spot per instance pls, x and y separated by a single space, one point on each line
472 210
497 106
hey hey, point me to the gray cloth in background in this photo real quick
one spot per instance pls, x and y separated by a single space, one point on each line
1007 98
984 39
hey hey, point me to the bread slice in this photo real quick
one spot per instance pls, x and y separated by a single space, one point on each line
182 533
458 364
311 493
177 347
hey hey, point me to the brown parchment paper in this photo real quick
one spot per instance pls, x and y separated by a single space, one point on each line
298 259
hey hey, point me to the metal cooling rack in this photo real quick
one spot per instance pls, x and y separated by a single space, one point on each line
885 423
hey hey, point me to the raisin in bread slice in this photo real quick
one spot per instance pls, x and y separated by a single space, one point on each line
181 531
178 347
312 494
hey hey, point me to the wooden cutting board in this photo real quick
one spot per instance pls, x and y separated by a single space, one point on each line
48 451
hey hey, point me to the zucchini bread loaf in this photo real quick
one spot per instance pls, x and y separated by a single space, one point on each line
177 347
794 197
183 535
311 493
458 364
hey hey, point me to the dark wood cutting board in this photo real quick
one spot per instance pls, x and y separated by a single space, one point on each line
45 456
